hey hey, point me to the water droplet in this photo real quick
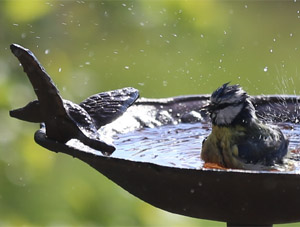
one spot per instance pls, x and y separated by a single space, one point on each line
274 40
225 33
291 34
271 50
87 63
202 36
174 35
142 24
126 67
15 24
266 69
246 6
47 51
59 70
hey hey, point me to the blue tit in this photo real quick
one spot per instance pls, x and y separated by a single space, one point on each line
238 137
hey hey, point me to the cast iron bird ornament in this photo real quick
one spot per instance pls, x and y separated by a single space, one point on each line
64 119
238 137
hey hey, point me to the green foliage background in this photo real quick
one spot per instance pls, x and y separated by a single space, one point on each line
163 48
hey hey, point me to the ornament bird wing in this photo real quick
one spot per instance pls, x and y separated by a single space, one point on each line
108 106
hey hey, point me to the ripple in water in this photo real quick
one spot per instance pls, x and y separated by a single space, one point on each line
180 145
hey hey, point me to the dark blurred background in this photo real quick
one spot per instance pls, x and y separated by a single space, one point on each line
162 48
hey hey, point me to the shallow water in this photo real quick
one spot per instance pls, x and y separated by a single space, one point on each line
171 145
180 145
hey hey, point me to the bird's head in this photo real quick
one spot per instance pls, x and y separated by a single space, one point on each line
230 105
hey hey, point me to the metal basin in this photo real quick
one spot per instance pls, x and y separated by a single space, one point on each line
232 196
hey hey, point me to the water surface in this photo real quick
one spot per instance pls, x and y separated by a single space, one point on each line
180 145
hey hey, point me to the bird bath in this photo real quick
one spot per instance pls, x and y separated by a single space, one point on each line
169 174
157 159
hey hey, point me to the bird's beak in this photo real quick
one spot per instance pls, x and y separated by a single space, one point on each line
205 107
208 107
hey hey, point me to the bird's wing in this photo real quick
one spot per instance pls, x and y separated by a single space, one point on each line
267 147
107 106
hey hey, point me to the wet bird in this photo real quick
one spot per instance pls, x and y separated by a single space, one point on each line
238 137
63 119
